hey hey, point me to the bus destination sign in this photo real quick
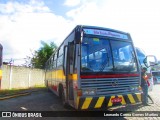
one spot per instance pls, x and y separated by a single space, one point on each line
105 33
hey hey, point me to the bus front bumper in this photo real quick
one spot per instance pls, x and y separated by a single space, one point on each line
91 102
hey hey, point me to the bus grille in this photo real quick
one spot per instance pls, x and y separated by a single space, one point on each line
111 86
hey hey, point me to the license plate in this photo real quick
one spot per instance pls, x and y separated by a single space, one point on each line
116 100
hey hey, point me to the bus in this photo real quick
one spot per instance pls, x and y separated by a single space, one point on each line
95 68
141 56
1 48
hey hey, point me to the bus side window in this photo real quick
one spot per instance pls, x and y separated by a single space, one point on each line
59 59
71 57
60 56
55 60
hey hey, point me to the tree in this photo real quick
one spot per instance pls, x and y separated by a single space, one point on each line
42 55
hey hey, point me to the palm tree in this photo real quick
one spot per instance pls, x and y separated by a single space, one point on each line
43 54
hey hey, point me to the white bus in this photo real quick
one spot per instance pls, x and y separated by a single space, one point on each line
141 57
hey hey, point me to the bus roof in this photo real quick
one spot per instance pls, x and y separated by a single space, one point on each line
101 28
94 27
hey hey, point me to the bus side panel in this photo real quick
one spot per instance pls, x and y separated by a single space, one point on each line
55 76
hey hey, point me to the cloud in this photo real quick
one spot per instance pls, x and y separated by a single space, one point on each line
140 18
23 26
32 6
72 3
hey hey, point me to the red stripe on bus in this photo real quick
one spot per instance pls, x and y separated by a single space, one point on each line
109 76
54 88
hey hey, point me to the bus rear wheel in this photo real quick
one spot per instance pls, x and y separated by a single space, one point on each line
65 104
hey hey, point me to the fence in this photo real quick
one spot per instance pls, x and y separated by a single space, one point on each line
21 77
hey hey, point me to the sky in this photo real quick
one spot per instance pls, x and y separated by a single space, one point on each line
24 23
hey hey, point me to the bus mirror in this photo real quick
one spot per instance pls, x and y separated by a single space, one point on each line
78 35
150 60
145 62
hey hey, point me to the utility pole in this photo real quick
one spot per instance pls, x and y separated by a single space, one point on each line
10 75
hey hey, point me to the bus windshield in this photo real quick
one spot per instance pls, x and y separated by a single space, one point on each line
104 55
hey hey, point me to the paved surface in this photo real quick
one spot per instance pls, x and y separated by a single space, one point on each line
155 95
43 100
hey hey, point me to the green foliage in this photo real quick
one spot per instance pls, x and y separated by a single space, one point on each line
42 55
10 91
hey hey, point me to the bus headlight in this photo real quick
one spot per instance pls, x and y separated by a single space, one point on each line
89 92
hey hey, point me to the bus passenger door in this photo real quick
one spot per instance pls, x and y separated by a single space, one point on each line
71 50
68 70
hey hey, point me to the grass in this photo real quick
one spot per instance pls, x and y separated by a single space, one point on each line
14 91
39 86
10 92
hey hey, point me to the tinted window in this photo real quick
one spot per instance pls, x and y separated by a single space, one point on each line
104 55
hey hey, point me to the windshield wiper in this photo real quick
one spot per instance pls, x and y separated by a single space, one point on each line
105 62
133 58
131 63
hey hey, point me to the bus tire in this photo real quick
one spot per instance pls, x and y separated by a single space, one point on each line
62 96
60 91
65 104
